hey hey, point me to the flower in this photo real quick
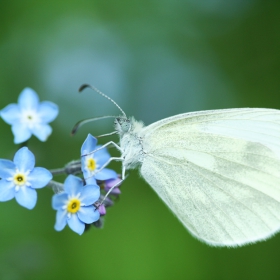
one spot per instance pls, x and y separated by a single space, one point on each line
30 116
20 178
75 205
92 163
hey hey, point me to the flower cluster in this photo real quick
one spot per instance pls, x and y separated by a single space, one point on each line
83 198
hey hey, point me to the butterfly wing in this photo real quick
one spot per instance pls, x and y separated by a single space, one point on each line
219 172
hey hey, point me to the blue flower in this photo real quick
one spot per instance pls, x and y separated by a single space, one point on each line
75 205
30 116
20 178
93 162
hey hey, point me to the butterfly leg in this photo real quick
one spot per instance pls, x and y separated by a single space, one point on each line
123 173
106 195
110 159
116 185
103 146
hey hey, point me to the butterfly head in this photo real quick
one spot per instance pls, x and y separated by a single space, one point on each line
122 124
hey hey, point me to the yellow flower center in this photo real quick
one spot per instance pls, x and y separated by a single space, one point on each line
19 179
91 164
73 205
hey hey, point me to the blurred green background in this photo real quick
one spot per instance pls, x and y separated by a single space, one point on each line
156 59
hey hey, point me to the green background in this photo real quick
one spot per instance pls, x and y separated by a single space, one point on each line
156 58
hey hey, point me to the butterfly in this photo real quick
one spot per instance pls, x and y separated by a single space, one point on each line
217 170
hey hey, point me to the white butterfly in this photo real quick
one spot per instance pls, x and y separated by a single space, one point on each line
218 171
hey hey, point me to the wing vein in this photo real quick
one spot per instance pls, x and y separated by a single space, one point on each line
237 200
253 168
233 180
201 213
226 214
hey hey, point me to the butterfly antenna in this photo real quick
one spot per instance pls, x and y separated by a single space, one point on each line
82 87
82 122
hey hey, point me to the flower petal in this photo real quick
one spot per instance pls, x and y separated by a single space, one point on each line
115 191
90 194
21 132
73 185
11 113
75 224
59 200
26 197
24 159
39 177
88 214
47 111
102 156
105 174
28 99
7 191
88 145
84 162
61 220
112 182
7 168
90 180
102 210
42 131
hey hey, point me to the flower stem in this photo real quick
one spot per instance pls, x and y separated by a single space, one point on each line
56 187
73 167
57 171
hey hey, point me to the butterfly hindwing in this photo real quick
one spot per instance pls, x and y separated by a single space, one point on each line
218 174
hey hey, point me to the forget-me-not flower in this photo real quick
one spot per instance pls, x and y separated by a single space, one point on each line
93 162
75 205
30 116
19 178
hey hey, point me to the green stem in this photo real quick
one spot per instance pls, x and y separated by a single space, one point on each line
56 187
73 167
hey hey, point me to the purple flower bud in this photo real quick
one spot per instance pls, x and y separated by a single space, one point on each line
108 184
102 210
